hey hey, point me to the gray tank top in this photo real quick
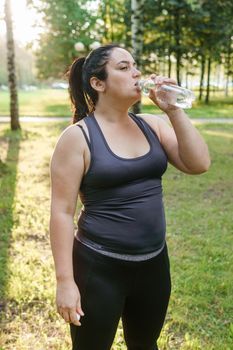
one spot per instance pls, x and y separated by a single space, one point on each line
123 213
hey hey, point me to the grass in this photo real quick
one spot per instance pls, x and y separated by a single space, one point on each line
42 102
199 233
50 102
219 107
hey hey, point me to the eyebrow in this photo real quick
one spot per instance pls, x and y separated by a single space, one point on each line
126 62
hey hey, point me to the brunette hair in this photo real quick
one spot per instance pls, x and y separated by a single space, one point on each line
83 96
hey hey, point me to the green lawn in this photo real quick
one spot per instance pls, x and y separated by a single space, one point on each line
51 102
42 102
199 234
219 107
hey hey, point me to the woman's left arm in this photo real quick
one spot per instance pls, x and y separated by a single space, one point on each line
185 147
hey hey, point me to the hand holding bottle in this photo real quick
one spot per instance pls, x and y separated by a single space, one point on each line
68 302
166 94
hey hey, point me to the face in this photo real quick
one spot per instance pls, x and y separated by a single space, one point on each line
123 75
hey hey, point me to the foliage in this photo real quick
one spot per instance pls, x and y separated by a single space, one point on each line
180 36
187 29
66 23
114 22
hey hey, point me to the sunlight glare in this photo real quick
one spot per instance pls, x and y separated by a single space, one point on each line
25 21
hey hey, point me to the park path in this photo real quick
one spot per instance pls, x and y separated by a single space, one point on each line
30 119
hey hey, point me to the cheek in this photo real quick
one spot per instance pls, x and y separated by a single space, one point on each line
117 85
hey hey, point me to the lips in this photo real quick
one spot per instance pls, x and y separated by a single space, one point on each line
137 86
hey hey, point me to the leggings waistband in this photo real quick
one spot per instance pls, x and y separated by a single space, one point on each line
129 257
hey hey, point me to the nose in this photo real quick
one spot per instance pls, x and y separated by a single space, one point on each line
136 72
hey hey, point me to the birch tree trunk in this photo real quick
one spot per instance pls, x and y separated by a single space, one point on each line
228 68
14 111
178 43
202 77
207 98
137 38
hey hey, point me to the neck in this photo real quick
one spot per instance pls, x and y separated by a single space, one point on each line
112 115
112 111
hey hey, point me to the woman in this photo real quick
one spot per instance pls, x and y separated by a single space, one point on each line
117 264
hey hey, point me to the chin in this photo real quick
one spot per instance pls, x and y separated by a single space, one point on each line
137 99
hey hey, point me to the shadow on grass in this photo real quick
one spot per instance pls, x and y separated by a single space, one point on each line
8 175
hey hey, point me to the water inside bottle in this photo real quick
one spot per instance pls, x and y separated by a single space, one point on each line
184 102
146 85
172 94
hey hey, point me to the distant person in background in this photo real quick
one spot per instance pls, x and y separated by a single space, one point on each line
116 266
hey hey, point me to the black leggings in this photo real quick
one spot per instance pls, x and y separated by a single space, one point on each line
110 288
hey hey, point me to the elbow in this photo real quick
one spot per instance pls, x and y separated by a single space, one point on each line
202 168
206 164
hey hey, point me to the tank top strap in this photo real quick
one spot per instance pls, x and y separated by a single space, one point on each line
85 136
96 139
145 127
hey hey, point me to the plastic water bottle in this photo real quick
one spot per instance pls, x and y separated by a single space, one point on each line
172 94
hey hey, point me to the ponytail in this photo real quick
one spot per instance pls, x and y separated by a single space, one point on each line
83 96
77 95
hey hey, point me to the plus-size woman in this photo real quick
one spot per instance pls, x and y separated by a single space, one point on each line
116 264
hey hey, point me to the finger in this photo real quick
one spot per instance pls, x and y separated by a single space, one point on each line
65 315
153 76
75 318
79 308
153 96
159 80
170 81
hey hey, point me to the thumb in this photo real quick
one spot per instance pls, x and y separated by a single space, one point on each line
79 308
153 96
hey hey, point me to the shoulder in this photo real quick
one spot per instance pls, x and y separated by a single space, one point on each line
154 119
72 135
156 122
71 141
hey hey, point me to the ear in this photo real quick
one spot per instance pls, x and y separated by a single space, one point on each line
96 84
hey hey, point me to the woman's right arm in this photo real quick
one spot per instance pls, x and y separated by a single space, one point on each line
67 169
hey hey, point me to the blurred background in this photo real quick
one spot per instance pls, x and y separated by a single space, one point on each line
190 40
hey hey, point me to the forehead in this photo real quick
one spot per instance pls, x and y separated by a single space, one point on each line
118 55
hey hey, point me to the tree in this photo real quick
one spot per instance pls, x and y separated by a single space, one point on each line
212 35
227 45
166 31
14 111
137 37
114 16
65 23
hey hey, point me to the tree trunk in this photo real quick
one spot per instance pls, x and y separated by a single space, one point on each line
207 98
137 38
202 77
228 68
14 111
178 44
169 65
187 75
169 49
